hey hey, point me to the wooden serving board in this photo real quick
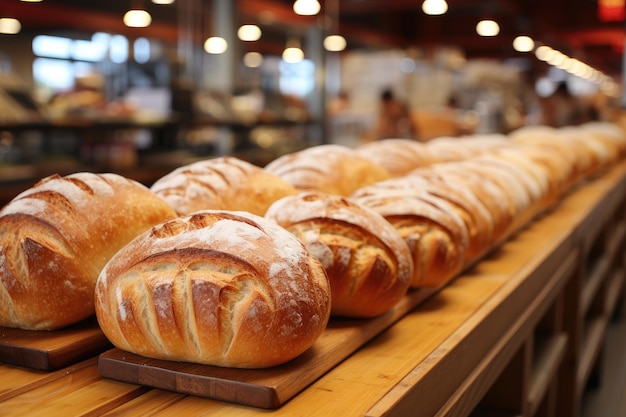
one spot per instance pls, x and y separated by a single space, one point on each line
263 388
51 350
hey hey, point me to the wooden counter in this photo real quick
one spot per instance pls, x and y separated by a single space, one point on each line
520 334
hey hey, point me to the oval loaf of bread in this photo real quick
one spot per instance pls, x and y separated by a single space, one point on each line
330 168
224 183
215 287
436 235
368 263
56 237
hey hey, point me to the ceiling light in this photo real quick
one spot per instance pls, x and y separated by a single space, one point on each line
163 1
252 59
32 1
137 18
435 7
334 43
10 26
293 55
487 27
523 44
306 7
544 53
215 45
249 33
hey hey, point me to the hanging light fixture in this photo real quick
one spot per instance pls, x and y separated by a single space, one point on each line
487 27
249 33
293 52
137 16
253 59
307 7
9 26
523 43
434 7
334 43
215 45
163 1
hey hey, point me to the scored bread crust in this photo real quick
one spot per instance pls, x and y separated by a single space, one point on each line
223 183
55 238
332 169
216 287
368 263
436 235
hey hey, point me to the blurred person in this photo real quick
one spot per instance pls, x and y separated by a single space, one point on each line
562 108
394 118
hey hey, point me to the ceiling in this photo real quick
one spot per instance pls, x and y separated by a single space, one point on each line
572 26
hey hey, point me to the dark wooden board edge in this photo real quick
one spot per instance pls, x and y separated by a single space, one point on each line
262 388
52 350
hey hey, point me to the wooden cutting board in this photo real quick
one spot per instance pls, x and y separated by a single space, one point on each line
263 388
51 350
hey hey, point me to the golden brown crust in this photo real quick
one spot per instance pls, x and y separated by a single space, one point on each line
397 156
368 263
56 237
224 183
332 169
215 287
435 234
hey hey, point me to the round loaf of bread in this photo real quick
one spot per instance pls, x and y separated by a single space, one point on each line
368 263
57 236
219 288
224 183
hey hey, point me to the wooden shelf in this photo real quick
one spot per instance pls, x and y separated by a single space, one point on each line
527 321
545 369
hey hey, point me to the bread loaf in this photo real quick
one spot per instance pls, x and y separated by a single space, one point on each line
224 183
332 169
477 219
56 237
397 156
368 263
215 287
436 235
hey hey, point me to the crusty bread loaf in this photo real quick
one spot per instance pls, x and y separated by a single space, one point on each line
56 237
368 263
223 183
462 200
332 169
215 287
397 156
435 234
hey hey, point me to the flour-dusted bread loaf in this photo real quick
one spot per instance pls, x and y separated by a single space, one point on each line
332 169
223 183
435 233
462 200
56 237
397 156
368 263
215 287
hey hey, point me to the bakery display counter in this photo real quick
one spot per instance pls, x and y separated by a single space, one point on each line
519 334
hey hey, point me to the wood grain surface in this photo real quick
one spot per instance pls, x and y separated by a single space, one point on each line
50 350
263 388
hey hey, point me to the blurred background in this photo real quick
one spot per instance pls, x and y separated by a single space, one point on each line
89 85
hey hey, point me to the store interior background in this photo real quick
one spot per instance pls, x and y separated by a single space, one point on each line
80 90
